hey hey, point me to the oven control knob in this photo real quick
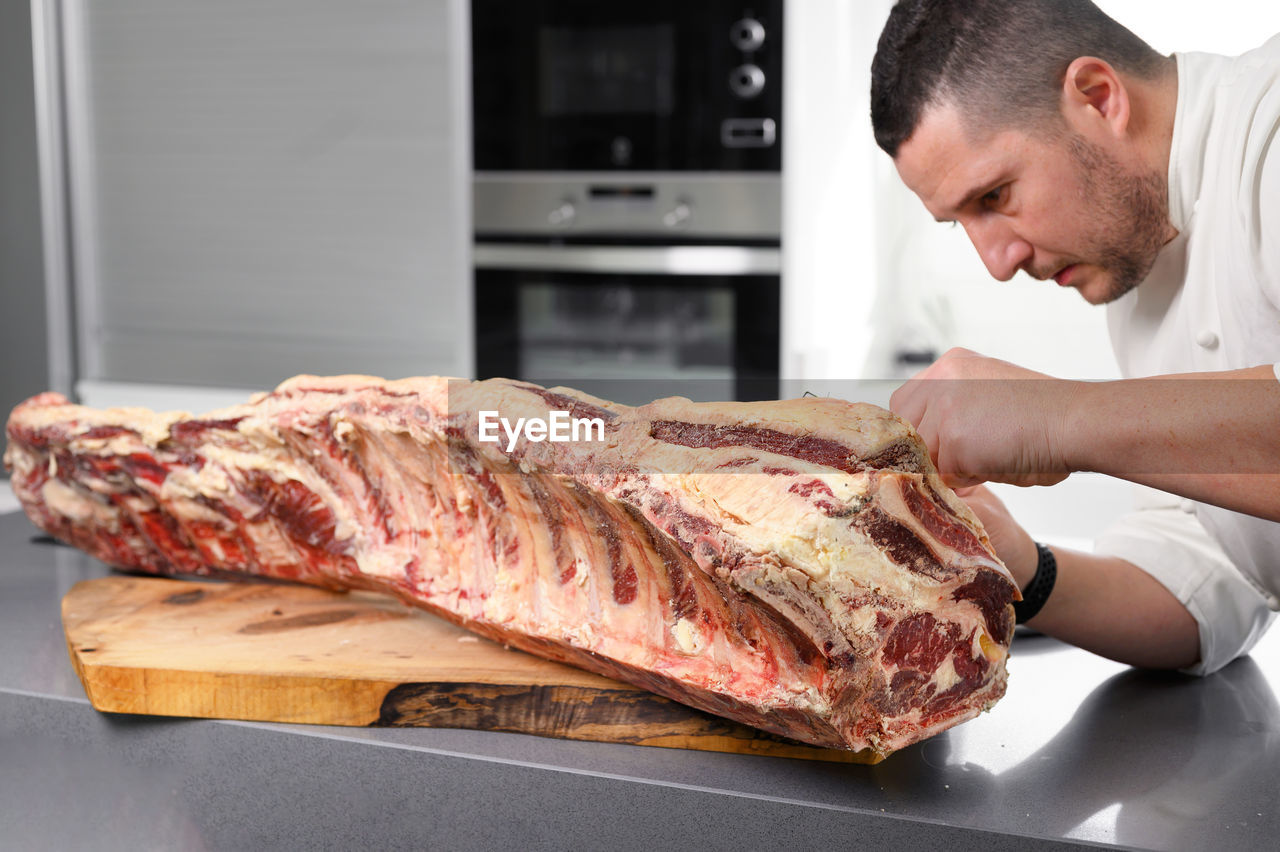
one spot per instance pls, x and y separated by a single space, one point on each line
747 35
746 81
678 215
562 216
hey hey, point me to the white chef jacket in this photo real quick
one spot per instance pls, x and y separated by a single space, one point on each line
1212 302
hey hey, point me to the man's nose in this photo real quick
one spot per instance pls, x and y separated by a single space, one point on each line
1002 251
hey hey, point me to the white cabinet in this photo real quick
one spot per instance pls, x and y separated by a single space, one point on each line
257 190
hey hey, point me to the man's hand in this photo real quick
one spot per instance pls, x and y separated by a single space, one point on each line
1101 603
1208 436
987 420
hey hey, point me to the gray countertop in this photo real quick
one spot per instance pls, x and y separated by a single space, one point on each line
1080 751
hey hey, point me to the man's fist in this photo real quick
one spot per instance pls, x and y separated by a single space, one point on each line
988 420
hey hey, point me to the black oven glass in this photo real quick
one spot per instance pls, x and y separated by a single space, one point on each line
631 337
627 331
606 70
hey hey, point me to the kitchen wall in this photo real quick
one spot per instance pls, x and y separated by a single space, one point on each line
23 356
831 246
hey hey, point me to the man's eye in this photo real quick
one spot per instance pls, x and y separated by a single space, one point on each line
995 196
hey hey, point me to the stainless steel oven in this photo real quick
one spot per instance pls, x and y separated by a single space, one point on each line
627 196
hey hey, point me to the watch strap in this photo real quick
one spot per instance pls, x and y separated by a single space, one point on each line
1040 587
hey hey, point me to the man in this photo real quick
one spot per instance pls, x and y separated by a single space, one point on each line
1069 149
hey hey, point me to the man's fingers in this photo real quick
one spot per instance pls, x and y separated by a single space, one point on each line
960 481
907 402
927 427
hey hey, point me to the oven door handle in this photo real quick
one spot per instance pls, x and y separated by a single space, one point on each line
636 260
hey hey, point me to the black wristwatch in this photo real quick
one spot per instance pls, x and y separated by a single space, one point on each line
1040 587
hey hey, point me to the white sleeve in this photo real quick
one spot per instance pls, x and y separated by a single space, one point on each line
1170 544
1261 180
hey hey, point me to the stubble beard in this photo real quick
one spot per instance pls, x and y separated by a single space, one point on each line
1132 224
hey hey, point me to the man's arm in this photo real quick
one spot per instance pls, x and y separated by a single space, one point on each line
1213 437
1103 604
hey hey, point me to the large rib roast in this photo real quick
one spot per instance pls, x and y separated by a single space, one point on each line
794 565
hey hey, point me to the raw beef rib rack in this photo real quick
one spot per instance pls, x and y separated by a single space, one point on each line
794 565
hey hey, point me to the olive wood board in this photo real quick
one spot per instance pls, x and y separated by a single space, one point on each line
273 652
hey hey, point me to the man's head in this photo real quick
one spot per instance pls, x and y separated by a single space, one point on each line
1037 125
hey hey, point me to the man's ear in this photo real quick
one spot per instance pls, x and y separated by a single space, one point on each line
1094 97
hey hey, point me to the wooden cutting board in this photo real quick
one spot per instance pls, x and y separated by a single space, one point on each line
284 653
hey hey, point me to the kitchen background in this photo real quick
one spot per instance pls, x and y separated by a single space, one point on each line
198 200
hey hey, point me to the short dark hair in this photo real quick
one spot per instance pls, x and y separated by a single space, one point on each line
1003 60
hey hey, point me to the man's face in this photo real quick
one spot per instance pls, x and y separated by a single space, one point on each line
1060 208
